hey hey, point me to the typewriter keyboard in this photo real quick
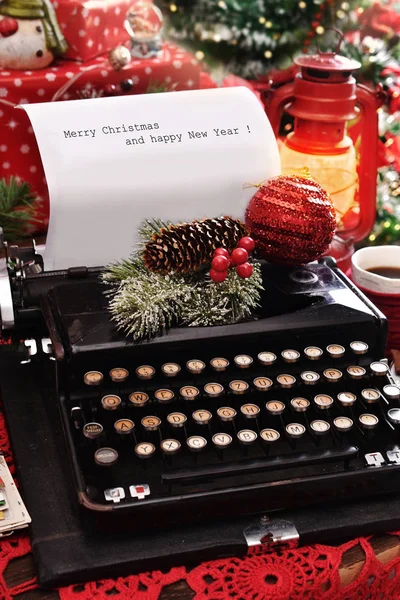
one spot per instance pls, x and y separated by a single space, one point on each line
153 431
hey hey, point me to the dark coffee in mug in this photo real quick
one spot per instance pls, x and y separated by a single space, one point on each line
389 272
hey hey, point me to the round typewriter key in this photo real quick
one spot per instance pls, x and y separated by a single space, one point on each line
368 421
105 457
151 423
320 427
267 358
243 361
309 377
313 352
269 435
222 440
219 364
214 390
323 401
356 372
119 375
195 366
391 391
196 443
347 398
164 396
111 402
333 375
238 387
226 413
170 446
176 419
250 411
295 430
201 416
138 399
370 395
379 368
92 430
93 378
145 372
262 384
188 392
394 415
275 407
343 424
124 426
300 404
335 350
170 369
286 381
246 436
290 356
144 449
359 347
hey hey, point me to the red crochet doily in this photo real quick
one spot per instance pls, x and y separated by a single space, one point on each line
310 573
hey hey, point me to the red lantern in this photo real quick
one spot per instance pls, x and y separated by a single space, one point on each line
323 99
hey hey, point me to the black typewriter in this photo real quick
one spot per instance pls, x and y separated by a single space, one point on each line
290 408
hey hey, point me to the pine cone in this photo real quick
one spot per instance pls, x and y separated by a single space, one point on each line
186 247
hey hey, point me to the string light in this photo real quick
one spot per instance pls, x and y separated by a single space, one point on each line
222 4
372 237
199 55
173 8
340 14
268 24
386 224
397 227
302 4
262 20
345 5
320 30
217 38
268 54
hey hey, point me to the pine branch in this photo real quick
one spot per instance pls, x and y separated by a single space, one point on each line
17 210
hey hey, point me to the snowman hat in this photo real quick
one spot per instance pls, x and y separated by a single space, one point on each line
38 9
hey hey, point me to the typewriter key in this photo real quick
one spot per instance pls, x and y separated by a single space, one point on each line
170 446
295 430
138 399
243 361
93 378
170 369
370 395
359 347
323 401
195 366
226 413
333 375
151 423
250 411
188 392
319 427
335 350
300 404
221 440
214 390
343 424
105 457
290 356
219 364
346 398
176 419
379 368
286 381
92 430
195 443
275 407
309 377
164 396
144 449
145 372
394 415
269 435
313 352
111 402
267 358
246 436
201 416
124 426
356 372
119 375
368 421
262 384
392 391
238 387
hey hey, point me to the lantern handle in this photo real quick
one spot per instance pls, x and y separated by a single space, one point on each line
340 42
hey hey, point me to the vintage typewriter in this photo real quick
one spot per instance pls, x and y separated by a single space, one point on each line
290 408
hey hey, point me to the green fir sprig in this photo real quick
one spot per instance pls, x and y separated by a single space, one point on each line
17 208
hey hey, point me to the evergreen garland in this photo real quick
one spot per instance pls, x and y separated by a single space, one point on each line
17 210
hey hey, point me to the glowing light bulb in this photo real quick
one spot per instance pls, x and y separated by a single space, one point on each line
302 5
320 30
340 14
262 20
397 227
268 54
372 237
268 24
199 55
173 7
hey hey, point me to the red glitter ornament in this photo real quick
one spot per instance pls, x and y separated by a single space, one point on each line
291 219
245 270
220 263
239 256
218 276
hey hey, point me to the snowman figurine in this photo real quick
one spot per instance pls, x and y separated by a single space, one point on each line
29 34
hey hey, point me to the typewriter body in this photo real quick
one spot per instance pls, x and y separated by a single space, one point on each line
290 408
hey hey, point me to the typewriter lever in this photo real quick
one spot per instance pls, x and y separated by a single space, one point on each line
272 533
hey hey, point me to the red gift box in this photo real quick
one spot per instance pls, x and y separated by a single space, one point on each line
19 154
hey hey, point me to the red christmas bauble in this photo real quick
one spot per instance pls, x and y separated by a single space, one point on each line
220 263
291 219
218 276
247 243
245 270
221 252
239 256
8 26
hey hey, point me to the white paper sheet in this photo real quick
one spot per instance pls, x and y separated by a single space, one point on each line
110 163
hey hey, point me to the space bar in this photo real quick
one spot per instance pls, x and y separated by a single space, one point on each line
245 467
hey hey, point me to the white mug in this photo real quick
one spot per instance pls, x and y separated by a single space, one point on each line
372 257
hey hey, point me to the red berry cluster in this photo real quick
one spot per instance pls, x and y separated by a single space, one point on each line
238 258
